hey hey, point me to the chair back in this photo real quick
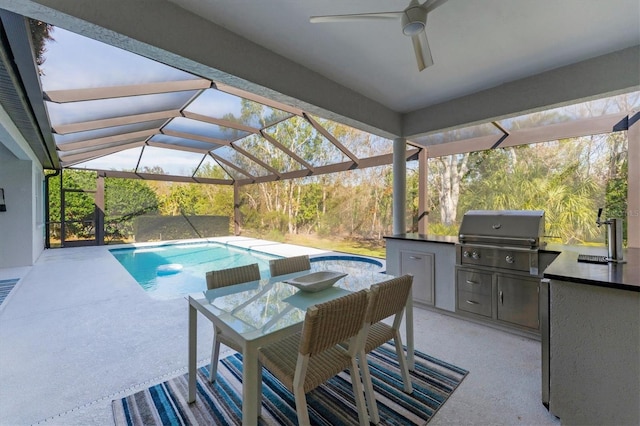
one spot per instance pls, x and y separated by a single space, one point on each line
289 265
327 324
230 276
388 298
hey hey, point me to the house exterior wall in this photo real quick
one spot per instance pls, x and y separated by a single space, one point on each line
22 225
21 176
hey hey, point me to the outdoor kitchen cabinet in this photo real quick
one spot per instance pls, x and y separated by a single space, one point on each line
517 300
421 266
474 292
590 363
508 300
431 261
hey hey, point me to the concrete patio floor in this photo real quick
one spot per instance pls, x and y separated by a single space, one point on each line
77 331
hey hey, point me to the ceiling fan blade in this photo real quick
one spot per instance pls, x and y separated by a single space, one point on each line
355 17
429 5
422 50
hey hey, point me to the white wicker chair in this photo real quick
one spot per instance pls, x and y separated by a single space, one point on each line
387 299
289 265
222 278
309 358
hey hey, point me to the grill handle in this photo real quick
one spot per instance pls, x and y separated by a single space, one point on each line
504 247
500 241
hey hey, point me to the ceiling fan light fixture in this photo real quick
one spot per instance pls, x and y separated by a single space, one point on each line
413 28
413 21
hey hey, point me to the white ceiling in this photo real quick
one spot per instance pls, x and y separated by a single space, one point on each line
475 45
494 59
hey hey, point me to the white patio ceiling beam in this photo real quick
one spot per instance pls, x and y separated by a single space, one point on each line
96 93
384 159
222 162
184 135
331 138
64 129
257 160
219 122
480 143
164 178
257 98
96 143
571 129
71 159
185 179
177 147
287 151
380 160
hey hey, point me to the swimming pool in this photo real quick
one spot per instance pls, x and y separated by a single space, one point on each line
346 263
169 271
172 270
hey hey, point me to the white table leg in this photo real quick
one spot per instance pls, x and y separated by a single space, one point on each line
193 345
409 328
251 386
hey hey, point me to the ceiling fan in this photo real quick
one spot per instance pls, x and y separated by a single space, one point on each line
413 20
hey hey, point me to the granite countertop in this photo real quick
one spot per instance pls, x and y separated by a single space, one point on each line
623 276
424 237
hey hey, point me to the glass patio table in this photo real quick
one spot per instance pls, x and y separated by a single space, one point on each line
259 312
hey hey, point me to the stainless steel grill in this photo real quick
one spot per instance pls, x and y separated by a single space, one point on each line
498 267
503 239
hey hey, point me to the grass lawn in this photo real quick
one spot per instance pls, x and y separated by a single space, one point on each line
373 248
365 247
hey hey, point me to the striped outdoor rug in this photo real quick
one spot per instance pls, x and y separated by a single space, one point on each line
331 404
5 288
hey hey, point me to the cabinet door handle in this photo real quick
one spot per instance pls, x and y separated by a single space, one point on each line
472 282
501 298
471 302
415 258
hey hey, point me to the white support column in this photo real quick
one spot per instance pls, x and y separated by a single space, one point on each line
633 181
399 186
423 191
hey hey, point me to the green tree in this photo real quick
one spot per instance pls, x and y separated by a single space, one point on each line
551 176
310 206
616 195
445 175
178 198
126 199
40 35
412 198
79 206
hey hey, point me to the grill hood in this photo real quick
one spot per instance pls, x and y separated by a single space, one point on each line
503 227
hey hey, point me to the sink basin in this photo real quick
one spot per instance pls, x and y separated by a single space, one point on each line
316 281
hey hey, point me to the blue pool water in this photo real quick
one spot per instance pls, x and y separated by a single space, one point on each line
348 264
173 270
169 271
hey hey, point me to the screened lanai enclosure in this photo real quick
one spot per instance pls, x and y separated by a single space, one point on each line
128 117
142 151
